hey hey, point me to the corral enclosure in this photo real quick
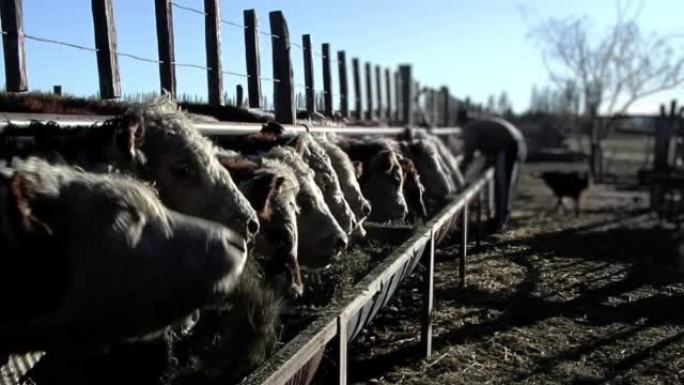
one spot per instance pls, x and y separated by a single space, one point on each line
383 98
549 301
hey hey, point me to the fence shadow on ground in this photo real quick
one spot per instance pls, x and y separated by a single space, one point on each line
621 259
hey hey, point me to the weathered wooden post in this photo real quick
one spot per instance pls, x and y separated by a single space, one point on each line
370 113
398 100
406 94
105 42
327 81
344 85
356 72
212 32
13 45
426 108
167 66
310 91
239 95
388 94
252 58
596 158
378 91
283 85
446 107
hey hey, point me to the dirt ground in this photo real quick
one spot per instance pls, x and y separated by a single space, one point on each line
592 299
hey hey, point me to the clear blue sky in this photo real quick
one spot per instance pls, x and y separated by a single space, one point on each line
477 48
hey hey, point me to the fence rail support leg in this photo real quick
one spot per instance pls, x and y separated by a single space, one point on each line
464 248
341 350
428 297
478 220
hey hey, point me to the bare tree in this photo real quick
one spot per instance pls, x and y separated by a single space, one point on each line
614 70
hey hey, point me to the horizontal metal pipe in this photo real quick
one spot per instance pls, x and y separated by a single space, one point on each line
213 128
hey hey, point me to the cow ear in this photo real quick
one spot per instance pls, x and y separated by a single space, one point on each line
22 190
238 167
300 146
262 190
129 134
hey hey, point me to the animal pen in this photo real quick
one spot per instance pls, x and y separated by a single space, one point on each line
339 323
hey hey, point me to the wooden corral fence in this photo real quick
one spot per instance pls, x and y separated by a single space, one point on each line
339 324
666 177
394 102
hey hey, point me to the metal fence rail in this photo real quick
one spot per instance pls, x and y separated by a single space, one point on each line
297 362
22 120
299 359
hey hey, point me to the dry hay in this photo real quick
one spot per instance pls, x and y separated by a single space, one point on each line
556 299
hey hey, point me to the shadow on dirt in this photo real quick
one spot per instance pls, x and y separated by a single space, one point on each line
615 260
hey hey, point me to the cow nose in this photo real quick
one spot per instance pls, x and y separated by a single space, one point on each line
252 228
366 209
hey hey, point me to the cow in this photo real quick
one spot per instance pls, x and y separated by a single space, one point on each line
315 156
433 175
156 142
414 191
92 259
349 183
271 188
446 155
380 176
327 180
321 239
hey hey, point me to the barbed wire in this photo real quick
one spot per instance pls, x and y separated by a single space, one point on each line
179 64
224 21
132 56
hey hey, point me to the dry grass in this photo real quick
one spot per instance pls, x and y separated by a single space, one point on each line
556 299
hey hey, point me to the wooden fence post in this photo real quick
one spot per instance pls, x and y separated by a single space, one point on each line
344 85
358 112
446 106
283 86
310 91
105 42
406 94
378 91
252 57
212 31
167 67
239 95
388 94
327 80
13 45
436 108
398 98
370 113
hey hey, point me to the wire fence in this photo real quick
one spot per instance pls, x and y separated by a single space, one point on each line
385 97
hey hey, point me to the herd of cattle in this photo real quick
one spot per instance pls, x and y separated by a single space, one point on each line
124 230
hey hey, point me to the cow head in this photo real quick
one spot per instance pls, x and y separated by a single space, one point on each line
382 183
115 262
272 191
183 166
327 180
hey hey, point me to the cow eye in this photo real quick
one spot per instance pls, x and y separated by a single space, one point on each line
185 171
